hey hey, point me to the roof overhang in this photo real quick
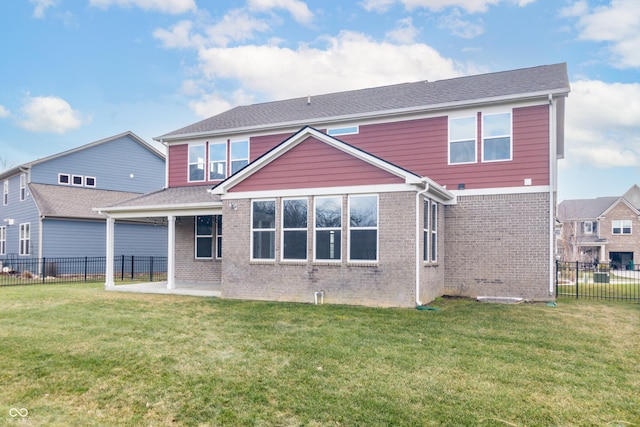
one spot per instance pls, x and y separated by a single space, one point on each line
190 209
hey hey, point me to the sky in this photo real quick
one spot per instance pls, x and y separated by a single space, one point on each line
77 71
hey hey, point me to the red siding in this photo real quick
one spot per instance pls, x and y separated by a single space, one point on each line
315 164
178 160
259 145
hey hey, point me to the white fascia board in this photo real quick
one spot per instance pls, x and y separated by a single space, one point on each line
501 191
159 210
320 191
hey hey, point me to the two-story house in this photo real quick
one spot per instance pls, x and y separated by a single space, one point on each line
604 229
387 196
47 204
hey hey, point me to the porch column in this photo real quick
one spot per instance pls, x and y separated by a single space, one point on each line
171 252
110 252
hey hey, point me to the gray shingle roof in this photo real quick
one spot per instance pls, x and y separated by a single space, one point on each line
74 202
584 209
175 196
541 80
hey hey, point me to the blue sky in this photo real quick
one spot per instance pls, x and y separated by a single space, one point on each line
77 71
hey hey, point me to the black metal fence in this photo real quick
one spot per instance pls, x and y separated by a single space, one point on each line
127 268
596 281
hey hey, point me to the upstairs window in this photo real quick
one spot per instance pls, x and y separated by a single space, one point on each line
23 187
204 236
462 140
363 228
25 239
5 193
239 155
263 230
588 227
89 181
217 161
196 162
621 227
496 137
328 223
77 180
350 130
294 229
64 178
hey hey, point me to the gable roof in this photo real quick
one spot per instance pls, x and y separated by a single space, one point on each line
306 132
386 100
134 137
59 201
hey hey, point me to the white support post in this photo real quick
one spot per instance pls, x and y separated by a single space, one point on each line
110 252
171 253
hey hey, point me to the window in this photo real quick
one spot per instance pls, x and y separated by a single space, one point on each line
263 229
294 229
426 232
204 236
462 140
196 162
76 180
239 155
434 231
588 227
351 130
25 239
217 161
23 186
89 181
218 236
328 223
363 228
64 178
3 240
5 194
496 137
621 226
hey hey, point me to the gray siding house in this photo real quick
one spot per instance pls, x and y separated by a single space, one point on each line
47 204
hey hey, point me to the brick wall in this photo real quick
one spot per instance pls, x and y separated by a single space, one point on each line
498 245
390 282
618 242
188 268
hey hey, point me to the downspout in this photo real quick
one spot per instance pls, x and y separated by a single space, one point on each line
552 188
418 260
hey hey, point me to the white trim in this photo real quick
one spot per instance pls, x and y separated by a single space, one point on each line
204 236
3 240
320 191
510 136
73 179
501 190
205 163
316 229
283 229
274 229
26 239
210 162
60 175
475 139
23 187
376 228
86 183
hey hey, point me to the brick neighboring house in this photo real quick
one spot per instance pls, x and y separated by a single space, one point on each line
387 196
606 229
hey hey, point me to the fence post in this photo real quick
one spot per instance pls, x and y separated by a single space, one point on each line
86 261
577 277
151 269
557 273
122 269
132 268
43 271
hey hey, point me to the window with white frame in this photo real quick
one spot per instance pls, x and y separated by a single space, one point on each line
77 180
196 162
496 137
239 155
64 178
23 186
588 227
3 240
349 130
426 231
217 161
294 229
263 229
25 239
5 193
328 228
363 228
434 231
462 140
89 181
204 236
218 220
621 226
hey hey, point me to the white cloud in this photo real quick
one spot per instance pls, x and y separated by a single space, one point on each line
50 114
404 33
578 8
164 6
298 9
179 36
471 6
460 27
41 6
4 112
603 124
617 24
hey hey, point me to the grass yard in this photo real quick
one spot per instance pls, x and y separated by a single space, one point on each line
74 355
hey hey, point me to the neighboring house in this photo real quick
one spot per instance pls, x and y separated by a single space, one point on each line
388 196
605 229
47 206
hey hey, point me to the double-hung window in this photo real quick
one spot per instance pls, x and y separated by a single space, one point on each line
363 228
496 137
263 229
328 224
588 227
204 236
218 236
426 231
5 193
434 231
217 161
621 226
23 186
3 240
294 229
196 162
25 239
239 155
462 140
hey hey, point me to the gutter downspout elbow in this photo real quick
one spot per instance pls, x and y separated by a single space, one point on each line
418 261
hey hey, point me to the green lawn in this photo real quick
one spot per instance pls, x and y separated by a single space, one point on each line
74 355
